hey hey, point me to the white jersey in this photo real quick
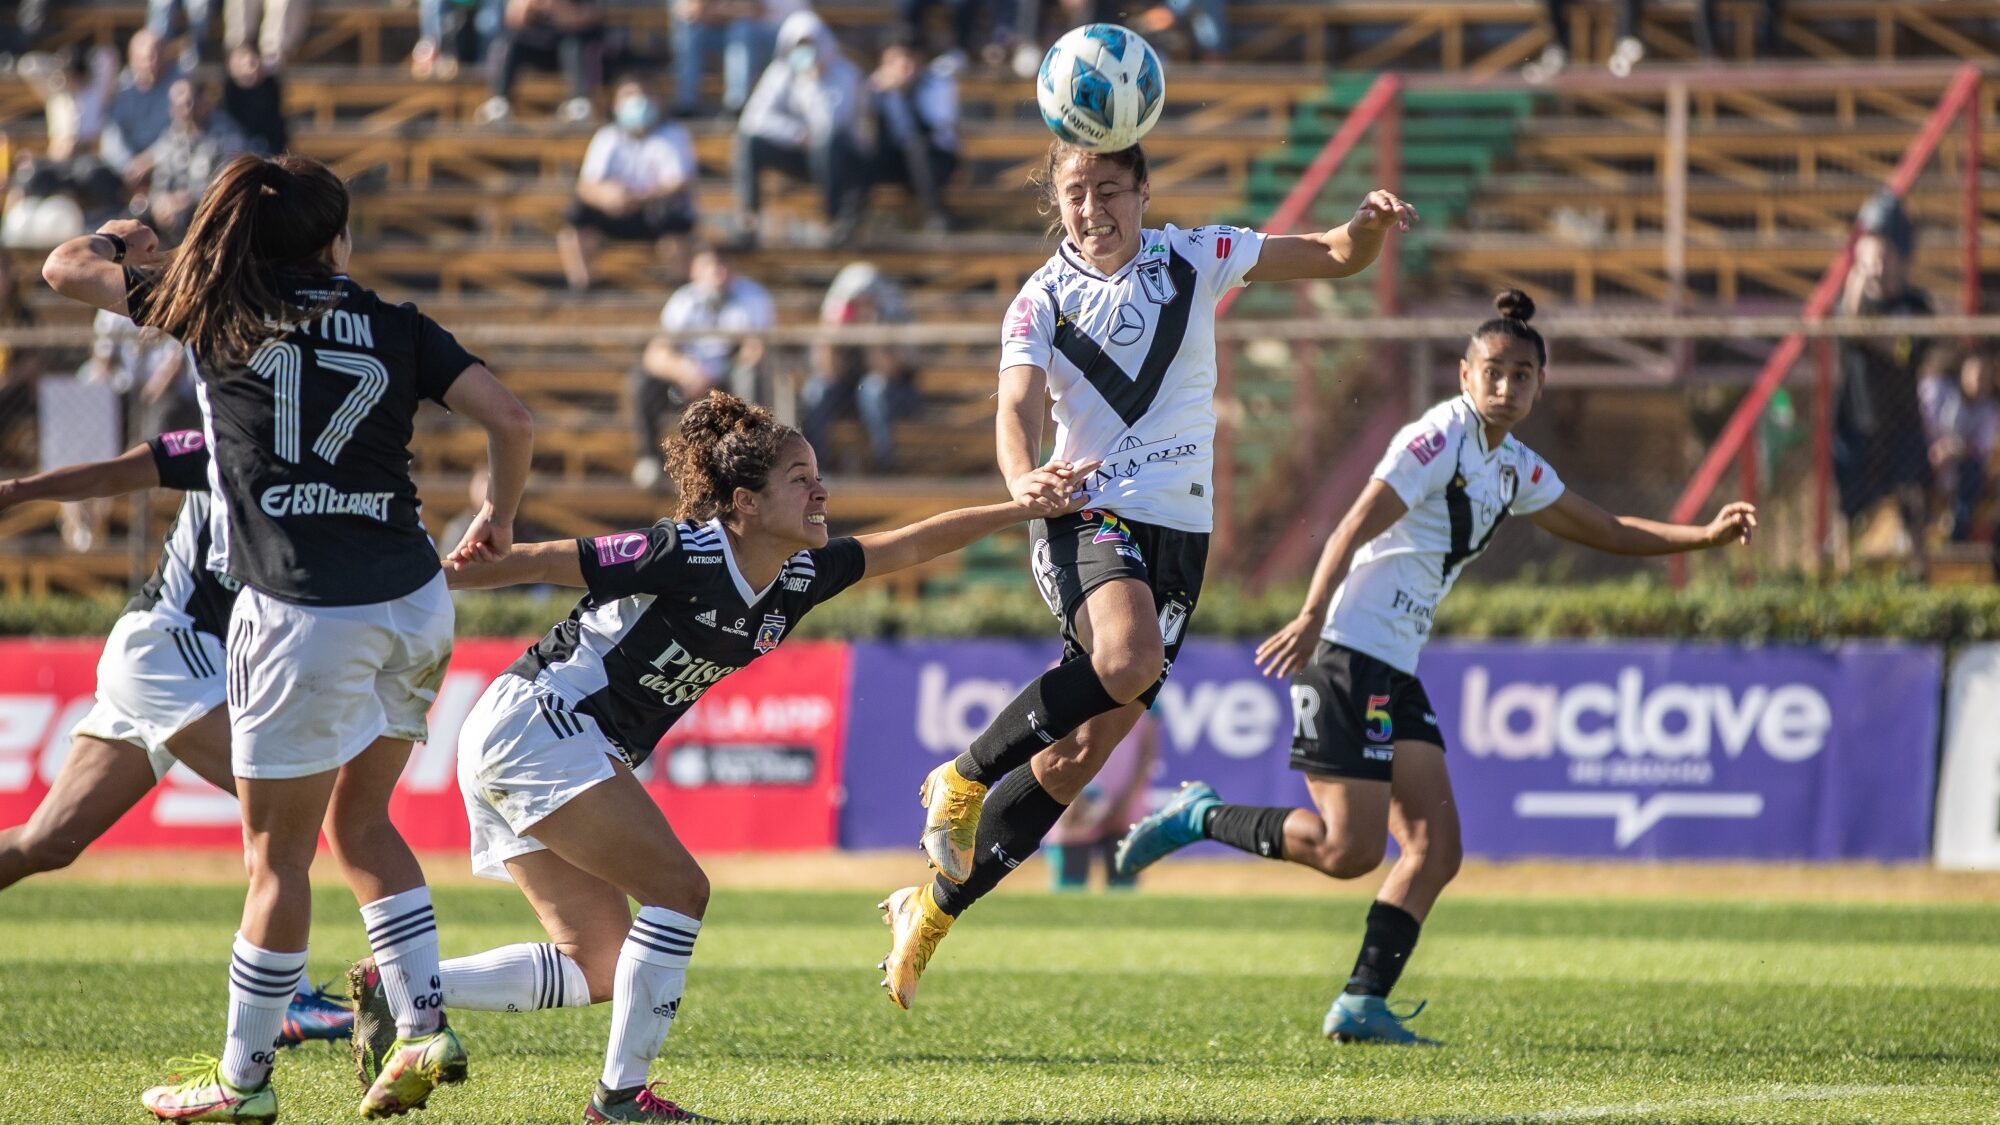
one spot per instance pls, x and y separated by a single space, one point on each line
1131 366
1457 491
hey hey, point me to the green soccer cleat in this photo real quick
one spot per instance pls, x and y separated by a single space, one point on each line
411 1070
642 1105
374 1032
207 1096
1180 822
1367 1019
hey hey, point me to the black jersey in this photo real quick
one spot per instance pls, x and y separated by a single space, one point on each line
667 616
311 439
182 582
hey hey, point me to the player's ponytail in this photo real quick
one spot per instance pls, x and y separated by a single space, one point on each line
724 444
1516 309
1043 180
220 295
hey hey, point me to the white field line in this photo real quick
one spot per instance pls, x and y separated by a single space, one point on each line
1782 1094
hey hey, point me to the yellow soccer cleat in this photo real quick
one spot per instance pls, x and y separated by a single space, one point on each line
411 1070
918 924
951 827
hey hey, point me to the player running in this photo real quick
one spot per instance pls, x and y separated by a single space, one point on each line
1364 732
1119 329
159 687
309 387
545 758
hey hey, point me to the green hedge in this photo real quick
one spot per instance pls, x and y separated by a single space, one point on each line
1770 611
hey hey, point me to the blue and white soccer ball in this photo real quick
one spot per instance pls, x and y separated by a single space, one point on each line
1101 88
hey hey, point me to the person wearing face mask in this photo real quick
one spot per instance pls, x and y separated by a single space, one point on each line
1365 733
680 369
637 185
803 120
1879 453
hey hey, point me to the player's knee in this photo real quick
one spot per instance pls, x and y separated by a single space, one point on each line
1129 670
1348 859
1438 855
598 962
681 887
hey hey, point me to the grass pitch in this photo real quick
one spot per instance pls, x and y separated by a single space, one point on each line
1153 1008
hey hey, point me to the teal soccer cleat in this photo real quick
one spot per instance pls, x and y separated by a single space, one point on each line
1179 822
315 1013
1367 1019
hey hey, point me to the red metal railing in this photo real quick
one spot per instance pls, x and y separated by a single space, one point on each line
1738 441
1381 103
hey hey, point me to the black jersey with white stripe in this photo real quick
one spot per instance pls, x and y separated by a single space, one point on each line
668 614
182 582
311 444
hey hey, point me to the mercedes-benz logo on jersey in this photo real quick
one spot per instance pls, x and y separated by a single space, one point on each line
1129 325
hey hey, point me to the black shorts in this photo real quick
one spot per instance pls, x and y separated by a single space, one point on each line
1077 553
1349 710
647 224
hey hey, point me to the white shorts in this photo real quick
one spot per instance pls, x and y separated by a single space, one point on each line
517 763
157 675
311 686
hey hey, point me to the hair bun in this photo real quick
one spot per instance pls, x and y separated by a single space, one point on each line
1515 305
716 415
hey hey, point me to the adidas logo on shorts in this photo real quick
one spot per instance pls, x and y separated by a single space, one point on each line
707 619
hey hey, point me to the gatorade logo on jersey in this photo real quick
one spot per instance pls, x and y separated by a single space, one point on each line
623 547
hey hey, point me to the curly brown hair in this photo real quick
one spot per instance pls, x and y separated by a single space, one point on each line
1043 180
724 444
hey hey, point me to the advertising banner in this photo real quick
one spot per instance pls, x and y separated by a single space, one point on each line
1690 751
1645 749
919 703
756 763
1968 796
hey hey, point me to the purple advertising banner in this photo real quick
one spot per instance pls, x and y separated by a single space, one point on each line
1638 749
918 703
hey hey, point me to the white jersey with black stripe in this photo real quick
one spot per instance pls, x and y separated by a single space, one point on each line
1131 365
1457 492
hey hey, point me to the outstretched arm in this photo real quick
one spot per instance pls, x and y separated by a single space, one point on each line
510 448
1578 520
1341 252
82 269
1287 650
920 542
528 564
130 471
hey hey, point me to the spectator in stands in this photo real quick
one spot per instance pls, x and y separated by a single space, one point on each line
75 88
876 382
1031 35
802 119
254 99
448 36
177 169
19 368
916 125
273 27
197 14
1199 24
1625 52
1879 451
139 111
675 372
565 35
42 207
637 185
736 31
966 17
1962 424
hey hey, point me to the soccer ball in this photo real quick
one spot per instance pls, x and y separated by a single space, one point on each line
1101 88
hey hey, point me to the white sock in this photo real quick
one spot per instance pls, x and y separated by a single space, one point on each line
402 932
514 978
261 985
652 970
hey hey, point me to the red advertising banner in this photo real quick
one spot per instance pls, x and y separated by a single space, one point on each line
756 766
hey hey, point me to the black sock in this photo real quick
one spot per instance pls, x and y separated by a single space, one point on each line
1392 934
1249 828
1018 813
1059 701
